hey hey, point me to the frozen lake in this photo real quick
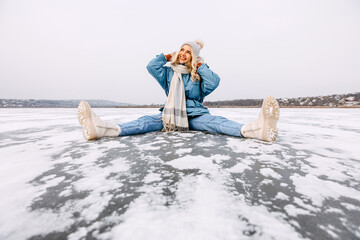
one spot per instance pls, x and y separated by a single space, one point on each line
194 185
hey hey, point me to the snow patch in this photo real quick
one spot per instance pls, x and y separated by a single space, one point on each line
268 172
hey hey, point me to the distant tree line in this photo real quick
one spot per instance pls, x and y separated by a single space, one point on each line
235 103
335 100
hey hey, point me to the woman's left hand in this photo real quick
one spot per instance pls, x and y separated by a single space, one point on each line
200 61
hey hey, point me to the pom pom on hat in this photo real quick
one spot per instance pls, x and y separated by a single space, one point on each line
201 43
196 46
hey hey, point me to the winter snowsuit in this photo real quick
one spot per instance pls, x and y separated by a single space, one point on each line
195 91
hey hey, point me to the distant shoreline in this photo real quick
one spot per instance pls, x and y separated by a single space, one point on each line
145 106
349 100
156 107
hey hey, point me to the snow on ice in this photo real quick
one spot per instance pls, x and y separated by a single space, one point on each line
195 185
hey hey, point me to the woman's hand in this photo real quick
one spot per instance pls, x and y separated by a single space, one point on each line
168 57
200 61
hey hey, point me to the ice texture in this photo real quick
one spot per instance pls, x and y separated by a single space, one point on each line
194 185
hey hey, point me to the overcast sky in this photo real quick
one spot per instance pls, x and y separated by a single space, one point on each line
81 49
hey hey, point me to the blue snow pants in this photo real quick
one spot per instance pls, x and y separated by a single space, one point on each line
206 122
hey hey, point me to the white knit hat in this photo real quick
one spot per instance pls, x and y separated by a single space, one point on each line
196 46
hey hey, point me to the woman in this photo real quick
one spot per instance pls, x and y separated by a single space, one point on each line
186 83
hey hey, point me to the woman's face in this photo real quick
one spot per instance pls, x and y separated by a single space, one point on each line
185 54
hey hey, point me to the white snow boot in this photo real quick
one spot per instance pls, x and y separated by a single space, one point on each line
93 126
264 128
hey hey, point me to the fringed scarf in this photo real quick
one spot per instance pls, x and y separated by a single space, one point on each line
174 115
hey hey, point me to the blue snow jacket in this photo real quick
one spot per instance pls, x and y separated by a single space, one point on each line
195 92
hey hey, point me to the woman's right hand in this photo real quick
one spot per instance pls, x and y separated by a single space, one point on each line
168 57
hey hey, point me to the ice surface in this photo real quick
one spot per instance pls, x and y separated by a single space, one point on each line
195 185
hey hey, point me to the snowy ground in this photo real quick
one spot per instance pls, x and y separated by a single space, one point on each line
56 185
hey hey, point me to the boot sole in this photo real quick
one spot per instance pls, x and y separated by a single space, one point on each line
84 117
271 111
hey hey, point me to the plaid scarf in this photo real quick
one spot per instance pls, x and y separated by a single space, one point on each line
174 115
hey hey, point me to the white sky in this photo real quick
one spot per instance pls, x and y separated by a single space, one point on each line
81 49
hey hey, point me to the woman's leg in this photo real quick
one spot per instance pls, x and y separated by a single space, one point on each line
264 127
93 126
143 124
215 124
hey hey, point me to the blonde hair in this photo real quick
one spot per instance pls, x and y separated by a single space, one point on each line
191 66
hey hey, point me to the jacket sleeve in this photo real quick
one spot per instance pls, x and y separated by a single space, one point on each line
210 80
157 70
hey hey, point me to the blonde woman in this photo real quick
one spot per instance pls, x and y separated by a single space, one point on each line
186 82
